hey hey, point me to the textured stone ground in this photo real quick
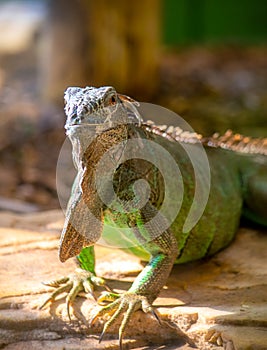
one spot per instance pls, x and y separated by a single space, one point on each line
217 303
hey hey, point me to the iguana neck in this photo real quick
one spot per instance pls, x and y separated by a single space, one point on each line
102 158
90 151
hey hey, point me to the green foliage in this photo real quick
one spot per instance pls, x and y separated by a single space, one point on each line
209 21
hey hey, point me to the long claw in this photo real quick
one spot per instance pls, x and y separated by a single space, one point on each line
68 309
120 342
75 290
92 320
107 288
112 320
102 311
101 336
60 290
155 314
45 303
56 283
125 321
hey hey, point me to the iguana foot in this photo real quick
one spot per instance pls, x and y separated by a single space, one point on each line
80 280
129 302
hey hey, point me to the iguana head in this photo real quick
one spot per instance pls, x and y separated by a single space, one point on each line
103 106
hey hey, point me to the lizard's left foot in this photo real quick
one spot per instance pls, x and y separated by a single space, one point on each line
80 280
128 302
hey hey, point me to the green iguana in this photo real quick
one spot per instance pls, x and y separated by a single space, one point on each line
117 205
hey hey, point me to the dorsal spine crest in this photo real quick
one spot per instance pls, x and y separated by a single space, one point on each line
228 141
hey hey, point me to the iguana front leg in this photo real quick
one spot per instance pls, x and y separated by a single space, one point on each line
146 287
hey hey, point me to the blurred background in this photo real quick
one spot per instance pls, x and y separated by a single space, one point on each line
206 60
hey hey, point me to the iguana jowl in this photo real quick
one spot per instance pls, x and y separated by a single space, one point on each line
98 119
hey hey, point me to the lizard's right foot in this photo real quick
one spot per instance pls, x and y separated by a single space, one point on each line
80 280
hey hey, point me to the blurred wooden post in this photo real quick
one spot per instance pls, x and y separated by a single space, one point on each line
62 57
100 42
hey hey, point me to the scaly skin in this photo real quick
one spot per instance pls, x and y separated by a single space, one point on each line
99 119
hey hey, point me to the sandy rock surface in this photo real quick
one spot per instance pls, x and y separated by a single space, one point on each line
218 303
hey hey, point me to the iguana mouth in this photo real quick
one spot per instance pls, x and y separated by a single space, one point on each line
86 118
